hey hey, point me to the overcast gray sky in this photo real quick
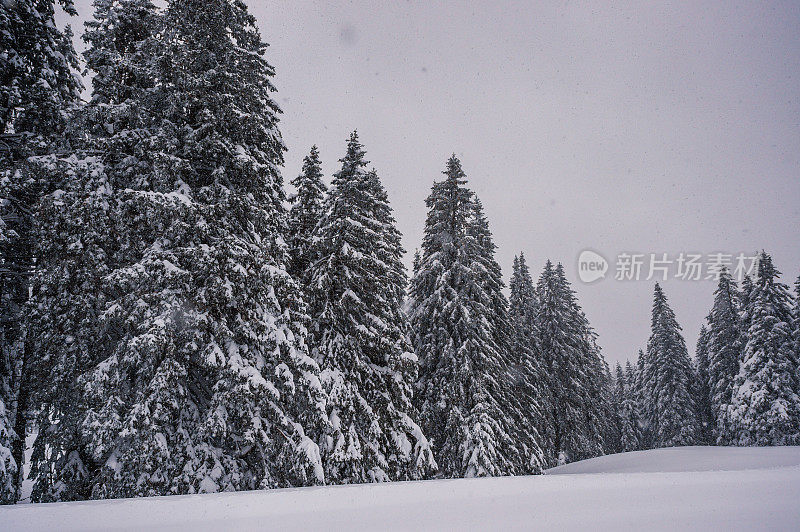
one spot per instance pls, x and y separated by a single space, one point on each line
639 128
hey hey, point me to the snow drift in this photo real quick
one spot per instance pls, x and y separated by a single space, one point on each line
688 488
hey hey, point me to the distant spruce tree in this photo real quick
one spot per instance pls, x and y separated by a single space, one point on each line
488 271
765 407
702 390
525 451
630 422
461 366
616 400
724 346
796 317
528 372
618 380
305 215
202 381
360 334
609 411
643 408
39 91
575 368
668 380
745 308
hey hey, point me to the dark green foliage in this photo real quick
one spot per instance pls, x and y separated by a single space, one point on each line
528 371
360 334
462 367
575 369
305 215
702 391
39 89
724 345
179 342
667 380
765 408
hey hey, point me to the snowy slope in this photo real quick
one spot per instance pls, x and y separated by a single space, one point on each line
752 489
688 459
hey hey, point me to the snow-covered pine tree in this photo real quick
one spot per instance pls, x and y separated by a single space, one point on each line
360 334
796 316
8 466
203 382
765 407
668 380
66 326
705 415
526 449
609 411
9 493
643 403
613 440
304 216
575 367
528 372
630 424
745 297
618 388
79 242
39 88
724 352
38 66
488 271
460 363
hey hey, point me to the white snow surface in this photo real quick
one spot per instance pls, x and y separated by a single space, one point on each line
692 488
685 459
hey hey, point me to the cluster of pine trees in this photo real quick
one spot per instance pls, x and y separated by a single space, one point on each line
743 388
169 326
172 322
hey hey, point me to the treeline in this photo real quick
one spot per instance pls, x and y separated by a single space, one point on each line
744 385
169 326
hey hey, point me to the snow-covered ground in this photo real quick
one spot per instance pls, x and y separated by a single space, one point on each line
689 488
687 459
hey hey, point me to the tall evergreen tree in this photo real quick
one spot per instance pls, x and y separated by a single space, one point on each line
724 351
745 298
702 390
640 393
575 368
488 272
8 466
201 380
528 372
461 366
525 451
618 380
609 411
360 334
616 400
765 407
37 68
39 89
80 240
796 314
304 217
630 424
668 380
